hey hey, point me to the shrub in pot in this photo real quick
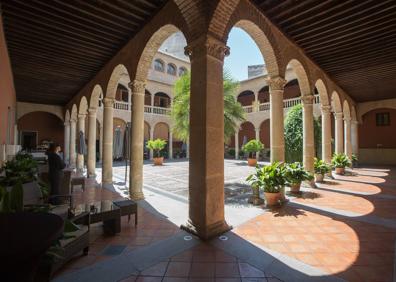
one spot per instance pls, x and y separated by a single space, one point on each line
354 161
295 174
157 146
256 183
340 161
321 168
271 179
252 147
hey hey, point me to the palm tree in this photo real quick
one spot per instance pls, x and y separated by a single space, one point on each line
233 111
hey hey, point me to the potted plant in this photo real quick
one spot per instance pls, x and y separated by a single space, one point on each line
321 168
271 179
340 161
157 146
256 183
354 160
295 174
252 147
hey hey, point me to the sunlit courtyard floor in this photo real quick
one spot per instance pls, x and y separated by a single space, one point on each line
345 229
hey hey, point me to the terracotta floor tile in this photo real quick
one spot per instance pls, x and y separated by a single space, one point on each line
178 269
202 269
174 279
156 270
248 271
148 279
129 279
224 257
227 269
184 256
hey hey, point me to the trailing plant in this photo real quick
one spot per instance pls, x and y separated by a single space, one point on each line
321 167
294 135
252 147
157 146
295 173
270 178
340 161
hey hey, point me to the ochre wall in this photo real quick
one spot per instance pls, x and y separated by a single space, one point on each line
48 126
371 135
7 92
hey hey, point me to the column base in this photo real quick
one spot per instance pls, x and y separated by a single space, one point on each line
206 232
137 196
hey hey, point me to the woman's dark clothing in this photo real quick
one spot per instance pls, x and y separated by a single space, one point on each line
55 173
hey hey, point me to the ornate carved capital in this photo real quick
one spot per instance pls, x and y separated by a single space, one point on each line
82 116
207 46
347 119
73 120
338 115
92 112
326 109
137 87
276 83
307 99
108 102
66 123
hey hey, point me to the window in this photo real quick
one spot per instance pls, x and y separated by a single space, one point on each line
171 69
159 65
182 71
382 119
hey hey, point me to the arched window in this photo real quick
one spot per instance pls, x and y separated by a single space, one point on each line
171 69
159 65
182 71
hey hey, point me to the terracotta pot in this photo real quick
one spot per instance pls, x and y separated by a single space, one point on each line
272 199
252 162
340 170
158 161
295 188
319 177
255 198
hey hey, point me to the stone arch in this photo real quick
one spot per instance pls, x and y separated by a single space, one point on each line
246 98
221 16
194 15
346 110
163 103
173 67
26 108
118 72
265 133
302 76
161 130
83 107
147 127
74 112
323 94
247 129
96 96
151 49
161 63
336 102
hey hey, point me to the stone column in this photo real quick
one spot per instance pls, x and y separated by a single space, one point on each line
348 144
170 146
276 86
81 128
100 142
66 154
237 144
91 163
355 137
137 140
72 149
257 131
206 169
339 134
152 99
151 154
107 158
308 133
326 134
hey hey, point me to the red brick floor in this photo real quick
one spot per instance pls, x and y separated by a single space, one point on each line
350 249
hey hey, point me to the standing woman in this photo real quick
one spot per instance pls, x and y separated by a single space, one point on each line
55 169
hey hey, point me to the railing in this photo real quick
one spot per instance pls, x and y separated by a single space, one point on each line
288 103
264 107
160 111
118 105
248 109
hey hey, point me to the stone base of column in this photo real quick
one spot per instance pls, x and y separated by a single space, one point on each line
206 232
137 196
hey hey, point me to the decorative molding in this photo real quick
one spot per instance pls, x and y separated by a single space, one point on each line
338 115
137 87
108 102
307 99
326 109
82 116
276 83
208 46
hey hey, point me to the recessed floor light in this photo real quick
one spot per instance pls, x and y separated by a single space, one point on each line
223 238
187 238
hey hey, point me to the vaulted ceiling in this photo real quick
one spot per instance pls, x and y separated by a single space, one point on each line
354 41
57 46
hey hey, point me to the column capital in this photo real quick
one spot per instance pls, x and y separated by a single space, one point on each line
207 46
92 112
108 102
276 83
338 115
82 116
137 87
307 99
66 123
347 119
73 120
354 121
326 109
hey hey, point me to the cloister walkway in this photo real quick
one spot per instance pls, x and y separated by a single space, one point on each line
345 229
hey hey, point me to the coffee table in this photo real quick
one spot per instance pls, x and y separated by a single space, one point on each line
101 211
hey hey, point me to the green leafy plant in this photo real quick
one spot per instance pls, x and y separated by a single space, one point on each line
12 200
354 158
321 167
21 169
340 161
157 146
295 173
233 111
270 178
252 147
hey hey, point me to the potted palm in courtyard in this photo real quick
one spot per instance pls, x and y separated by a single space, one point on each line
295 174
157 146
271 179
321 168
340 161
252 147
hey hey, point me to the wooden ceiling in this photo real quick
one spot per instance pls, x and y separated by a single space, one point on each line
354 41
57 46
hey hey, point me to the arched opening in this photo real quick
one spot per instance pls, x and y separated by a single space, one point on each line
122 93
119 126
246 98
37 130
162 100
246 133
147 98
159 65
162 131
171 69
265 133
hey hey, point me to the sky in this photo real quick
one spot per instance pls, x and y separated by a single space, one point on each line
243 52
